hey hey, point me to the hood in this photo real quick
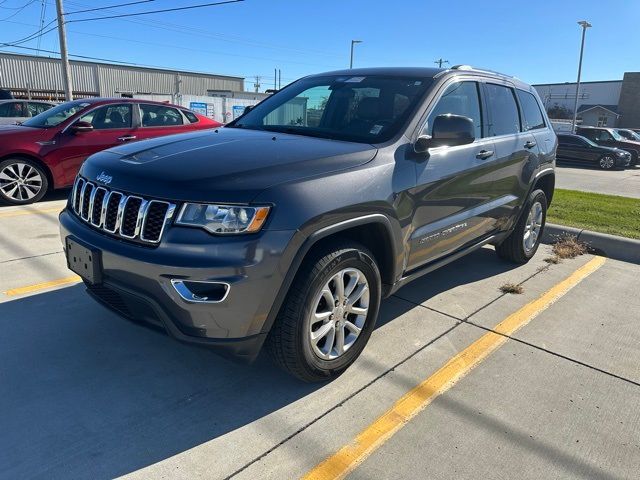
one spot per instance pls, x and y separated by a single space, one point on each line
10 132
224 165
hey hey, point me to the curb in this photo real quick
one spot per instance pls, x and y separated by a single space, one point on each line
612 246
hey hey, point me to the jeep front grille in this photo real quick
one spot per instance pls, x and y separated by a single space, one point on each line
126 216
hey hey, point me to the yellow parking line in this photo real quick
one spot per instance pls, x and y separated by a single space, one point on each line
376 434
42 286
39 211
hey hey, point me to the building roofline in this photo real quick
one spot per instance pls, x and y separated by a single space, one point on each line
598 106
573 83
125 65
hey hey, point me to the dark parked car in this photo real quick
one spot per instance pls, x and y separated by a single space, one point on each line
628 134
290 225
578 149
46 151
608 137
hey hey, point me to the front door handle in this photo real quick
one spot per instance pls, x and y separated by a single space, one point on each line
126 138
529 144
484 154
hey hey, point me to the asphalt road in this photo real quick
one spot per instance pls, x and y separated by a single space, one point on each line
618 182
436 394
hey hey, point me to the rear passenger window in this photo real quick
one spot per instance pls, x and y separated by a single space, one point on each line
532 116
190 116
504 119
458 99
159 116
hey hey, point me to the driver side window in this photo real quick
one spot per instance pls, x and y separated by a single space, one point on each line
459 98
109 117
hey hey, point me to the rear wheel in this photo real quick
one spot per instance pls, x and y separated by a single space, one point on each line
22 181
524 240
329 313
607 162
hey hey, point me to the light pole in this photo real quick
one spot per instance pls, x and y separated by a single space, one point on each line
64 56
353 42
584 24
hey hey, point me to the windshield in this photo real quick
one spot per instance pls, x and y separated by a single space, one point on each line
366 109
56 115
616 135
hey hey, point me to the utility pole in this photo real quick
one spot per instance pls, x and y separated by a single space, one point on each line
66 69
279 79
353 42
275 79
440 61
257 84
584 24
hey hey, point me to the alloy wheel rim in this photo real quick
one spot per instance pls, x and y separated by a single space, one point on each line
532 227
606 162
20 181
339 313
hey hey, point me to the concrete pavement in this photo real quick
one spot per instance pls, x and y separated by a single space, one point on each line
625 183
89 395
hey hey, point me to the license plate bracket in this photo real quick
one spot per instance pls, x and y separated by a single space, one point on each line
84 261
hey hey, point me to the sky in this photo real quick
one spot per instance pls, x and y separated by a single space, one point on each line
536 41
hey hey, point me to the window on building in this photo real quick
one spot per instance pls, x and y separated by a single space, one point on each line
602 120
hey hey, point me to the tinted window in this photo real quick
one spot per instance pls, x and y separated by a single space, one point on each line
12 109
109 117
532 116
160 116
358 108
190 116
56 115
459 99
566 140
38 108
505 119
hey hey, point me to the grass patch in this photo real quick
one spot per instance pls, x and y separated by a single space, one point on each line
568 246
593 211
512 288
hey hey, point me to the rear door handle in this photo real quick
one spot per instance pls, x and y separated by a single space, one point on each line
529 144
484 154
126 138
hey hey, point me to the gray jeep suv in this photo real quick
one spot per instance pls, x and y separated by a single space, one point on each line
288 226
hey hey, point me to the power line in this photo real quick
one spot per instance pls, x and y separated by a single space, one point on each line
109 7
166 10
18 10
43 12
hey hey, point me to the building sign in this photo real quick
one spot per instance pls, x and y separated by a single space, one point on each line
199 107
237 111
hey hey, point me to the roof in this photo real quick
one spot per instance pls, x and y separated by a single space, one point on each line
584 107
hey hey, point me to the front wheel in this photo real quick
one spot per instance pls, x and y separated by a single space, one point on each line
607 162
22 181
524 240
329 313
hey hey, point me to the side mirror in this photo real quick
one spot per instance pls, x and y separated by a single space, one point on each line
448 130
81 127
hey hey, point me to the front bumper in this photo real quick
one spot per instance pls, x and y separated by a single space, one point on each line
136 282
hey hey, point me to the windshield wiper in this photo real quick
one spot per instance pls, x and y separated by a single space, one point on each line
298 131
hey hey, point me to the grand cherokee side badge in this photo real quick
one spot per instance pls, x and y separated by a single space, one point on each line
104 178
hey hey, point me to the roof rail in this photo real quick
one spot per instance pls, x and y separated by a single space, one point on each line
469 67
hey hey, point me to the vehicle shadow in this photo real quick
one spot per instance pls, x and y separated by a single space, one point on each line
87 394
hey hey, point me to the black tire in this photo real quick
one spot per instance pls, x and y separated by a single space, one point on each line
607 162
512 248
38 189
289 341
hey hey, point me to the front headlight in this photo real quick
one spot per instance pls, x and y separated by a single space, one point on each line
223 219
621 154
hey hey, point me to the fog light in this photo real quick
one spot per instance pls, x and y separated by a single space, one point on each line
198 291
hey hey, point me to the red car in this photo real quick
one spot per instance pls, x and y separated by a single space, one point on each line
46 151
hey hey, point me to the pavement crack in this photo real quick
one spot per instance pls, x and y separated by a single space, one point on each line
342 402
31 256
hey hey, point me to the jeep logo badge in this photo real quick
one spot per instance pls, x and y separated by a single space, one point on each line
104 178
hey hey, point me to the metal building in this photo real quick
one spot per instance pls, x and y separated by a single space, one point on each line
27 76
